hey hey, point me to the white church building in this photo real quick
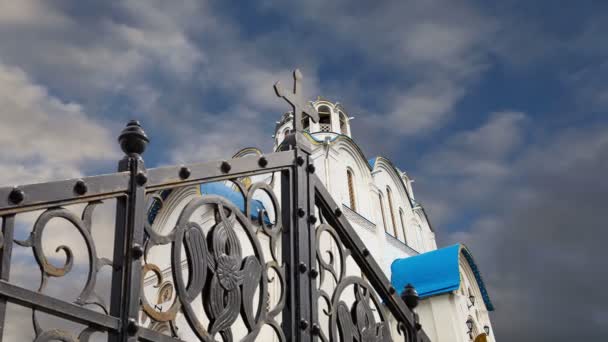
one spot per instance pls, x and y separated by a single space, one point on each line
378 200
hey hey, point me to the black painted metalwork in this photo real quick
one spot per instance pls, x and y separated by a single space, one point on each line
230 273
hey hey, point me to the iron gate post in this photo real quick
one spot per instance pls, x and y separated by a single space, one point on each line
8 224
129 235
299 315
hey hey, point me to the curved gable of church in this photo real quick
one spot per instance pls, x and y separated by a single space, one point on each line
346 147
385 165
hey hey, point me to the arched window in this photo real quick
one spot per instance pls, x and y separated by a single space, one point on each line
351 189
390 208
402 225
343 128
324 119
382 211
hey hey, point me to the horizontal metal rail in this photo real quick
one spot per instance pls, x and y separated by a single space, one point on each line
63 192
86 189
57 307
173 176
153 336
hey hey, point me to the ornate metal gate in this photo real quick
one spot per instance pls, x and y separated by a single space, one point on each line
232 271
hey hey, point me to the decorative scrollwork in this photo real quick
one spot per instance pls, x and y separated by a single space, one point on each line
231 284
88 294
357 316
83 226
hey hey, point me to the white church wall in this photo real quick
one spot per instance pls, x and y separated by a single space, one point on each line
478 312
385 178
444 316
440 320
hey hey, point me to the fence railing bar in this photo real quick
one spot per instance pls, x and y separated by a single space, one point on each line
57 307
287 249
172 176
146 334
46 205
59 192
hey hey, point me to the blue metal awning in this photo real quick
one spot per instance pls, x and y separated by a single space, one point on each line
436 272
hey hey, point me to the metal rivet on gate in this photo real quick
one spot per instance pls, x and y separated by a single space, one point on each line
80 187
315 329
365 252
300 160
141 178
312 219
16 196
310 168
391 290
302 267
303 324
301 212
225 167
314 273
137 251
132 327
338 212
184 172
262 161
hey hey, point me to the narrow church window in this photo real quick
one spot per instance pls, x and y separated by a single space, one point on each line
382 211
343 123
390 207
351 189
324 119
402 225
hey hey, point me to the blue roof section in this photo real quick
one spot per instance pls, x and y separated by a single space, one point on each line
436 272
372 162
215 188
221 189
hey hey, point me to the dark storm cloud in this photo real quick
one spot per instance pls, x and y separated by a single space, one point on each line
540 240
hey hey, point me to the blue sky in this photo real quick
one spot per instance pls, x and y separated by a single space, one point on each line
498 111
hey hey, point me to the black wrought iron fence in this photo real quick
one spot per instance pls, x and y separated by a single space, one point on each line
191 264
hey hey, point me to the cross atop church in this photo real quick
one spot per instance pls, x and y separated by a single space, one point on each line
299 105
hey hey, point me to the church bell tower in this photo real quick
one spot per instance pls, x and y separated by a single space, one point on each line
333 121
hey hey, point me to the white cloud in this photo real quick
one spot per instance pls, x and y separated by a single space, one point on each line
41 136
29 12
422 108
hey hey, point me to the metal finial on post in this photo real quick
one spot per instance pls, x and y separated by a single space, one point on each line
296 101
133 140
410 296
